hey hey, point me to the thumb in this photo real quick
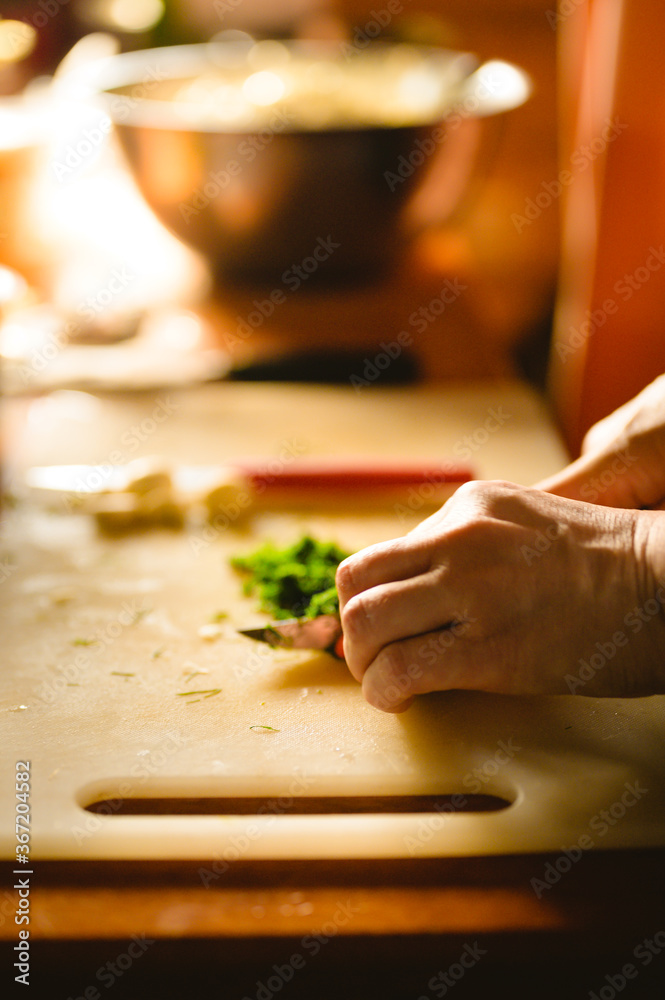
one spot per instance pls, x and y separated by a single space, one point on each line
612 478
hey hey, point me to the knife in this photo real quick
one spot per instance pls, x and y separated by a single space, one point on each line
118 489
323 632
303 475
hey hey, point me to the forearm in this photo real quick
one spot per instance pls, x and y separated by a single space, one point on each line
623 457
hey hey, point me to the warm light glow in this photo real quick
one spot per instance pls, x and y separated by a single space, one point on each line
207 99
96 218
268 54
12 285
17 40
123 15
136 15
175 330
420 91
264 88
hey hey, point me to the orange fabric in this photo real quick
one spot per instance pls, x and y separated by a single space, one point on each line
609 338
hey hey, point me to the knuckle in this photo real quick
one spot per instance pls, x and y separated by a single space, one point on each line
467 491
396 677
355 618
481 495
344 578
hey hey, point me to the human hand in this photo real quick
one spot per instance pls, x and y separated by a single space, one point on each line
511 590
623 457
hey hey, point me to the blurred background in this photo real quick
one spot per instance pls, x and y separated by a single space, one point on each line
83 222
529 240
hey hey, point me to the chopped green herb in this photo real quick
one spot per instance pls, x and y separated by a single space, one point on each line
267 728
296 581
195 673
118 673
83 642
208 692
138 615
218 616
156 653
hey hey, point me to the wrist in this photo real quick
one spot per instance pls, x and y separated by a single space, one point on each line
650 552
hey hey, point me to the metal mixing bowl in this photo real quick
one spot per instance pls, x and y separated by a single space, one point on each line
294 162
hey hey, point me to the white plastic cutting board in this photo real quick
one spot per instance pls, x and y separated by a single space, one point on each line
109 721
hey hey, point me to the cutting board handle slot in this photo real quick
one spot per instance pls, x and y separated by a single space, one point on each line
294 806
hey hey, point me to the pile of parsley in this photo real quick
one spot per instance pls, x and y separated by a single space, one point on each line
294 582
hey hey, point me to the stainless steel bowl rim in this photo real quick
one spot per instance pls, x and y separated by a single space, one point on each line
145 68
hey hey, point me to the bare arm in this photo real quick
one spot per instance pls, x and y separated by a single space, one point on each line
623 457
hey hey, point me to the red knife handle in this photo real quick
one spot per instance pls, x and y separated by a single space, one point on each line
338 648
326 477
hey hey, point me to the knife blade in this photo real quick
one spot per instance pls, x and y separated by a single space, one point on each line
323 632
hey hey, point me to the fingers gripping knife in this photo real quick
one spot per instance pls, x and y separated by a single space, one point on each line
323 632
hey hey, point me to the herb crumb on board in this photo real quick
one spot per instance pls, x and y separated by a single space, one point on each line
206 693
210 632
